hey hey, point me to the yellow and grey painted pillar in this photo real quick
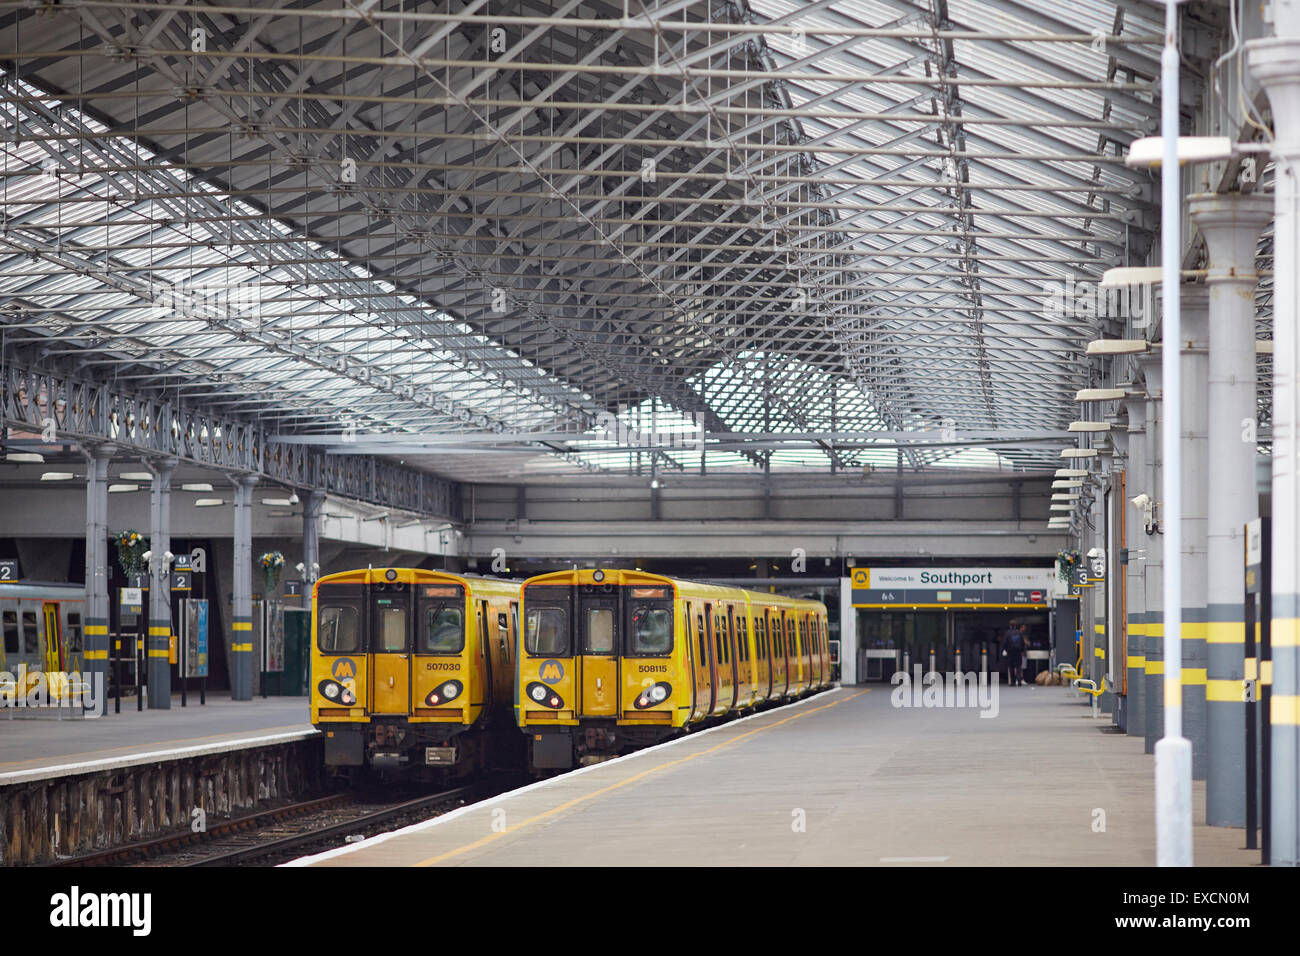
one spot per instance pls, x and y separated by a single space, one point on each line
1230 224
1135 475
241 637
1275 63
157 645
95 634
1153 691
1195 365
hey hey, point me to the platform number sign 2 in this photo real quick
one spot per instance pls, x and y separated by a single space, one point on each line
8 569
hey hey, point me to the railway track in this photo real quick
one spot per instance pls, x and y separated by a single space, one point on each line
273 836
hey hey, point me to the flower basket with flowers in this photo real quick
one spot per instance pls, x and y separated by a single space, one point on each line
1066 562
272 565
131 548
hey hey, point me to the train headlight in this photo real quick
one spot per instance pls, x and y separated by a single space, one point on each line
655 694
544 695
447 690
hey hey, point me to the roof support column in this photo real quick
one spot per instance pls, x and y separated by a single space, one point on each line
1275 63
1194 351
241 620
95 626
1154 690
1135 541
1231 224
158 643
312 505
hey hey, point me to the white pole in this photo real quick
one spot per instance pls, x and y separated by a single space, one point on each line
1173 752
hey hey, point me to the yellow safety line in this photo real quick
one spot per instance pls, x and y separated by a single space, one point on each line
483 841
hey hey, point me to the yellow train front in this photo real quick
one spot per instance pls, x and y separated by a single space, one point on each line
413 670
615 660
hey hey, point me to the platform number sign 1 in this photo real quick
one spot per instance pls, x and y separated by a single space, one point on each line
8 569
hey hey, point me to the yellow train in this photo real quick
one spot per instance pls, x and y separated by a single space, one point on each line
614 660
414 670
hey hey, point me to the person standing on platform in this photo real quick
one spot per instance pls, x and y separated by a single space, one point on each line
1013 650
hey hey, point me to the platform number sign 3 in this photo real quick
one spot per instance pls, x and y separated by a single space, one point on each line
8 569
1080 576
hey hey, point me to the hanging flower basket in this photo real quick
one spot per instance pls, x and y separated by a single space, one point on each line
131 546
1066 562
272 565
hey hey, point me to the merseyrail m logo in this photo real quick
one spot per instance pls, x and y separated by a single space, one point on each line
344 668
862 577
552 672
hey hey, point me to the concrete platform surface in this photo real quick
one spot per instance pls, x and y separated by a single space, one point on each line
32 749
843 778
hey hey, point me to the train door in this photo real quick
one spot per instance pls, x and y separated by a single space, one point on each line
52 638
703 672
764 653
598 661
723 678
390 652
735 646
707 628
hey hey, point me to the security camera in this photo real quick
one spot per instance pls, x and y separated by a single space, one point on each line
167 556
148 555
293 498
1142 502
301 567
1094 552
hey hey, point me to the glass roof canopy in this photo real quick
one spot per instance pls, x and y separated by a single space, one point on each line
829 235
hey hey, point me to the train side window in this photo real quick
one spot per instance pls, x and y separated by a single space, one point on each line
31 640
546 632
74 632
11 632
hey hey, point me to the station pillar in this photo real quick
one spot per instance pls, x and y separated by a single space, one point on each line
158 643
1135 480
96 640
1230 224
241 622
312 505
1153 691
1195 368
1275 63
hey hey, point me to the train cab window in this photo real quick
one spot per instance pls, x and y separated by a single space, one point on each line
11 632
337 631
651 630
546 632
598 630
31 639
444 629
390 625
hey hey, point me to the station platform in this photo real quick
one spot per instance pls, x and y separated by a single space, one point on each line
842 778
50 748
